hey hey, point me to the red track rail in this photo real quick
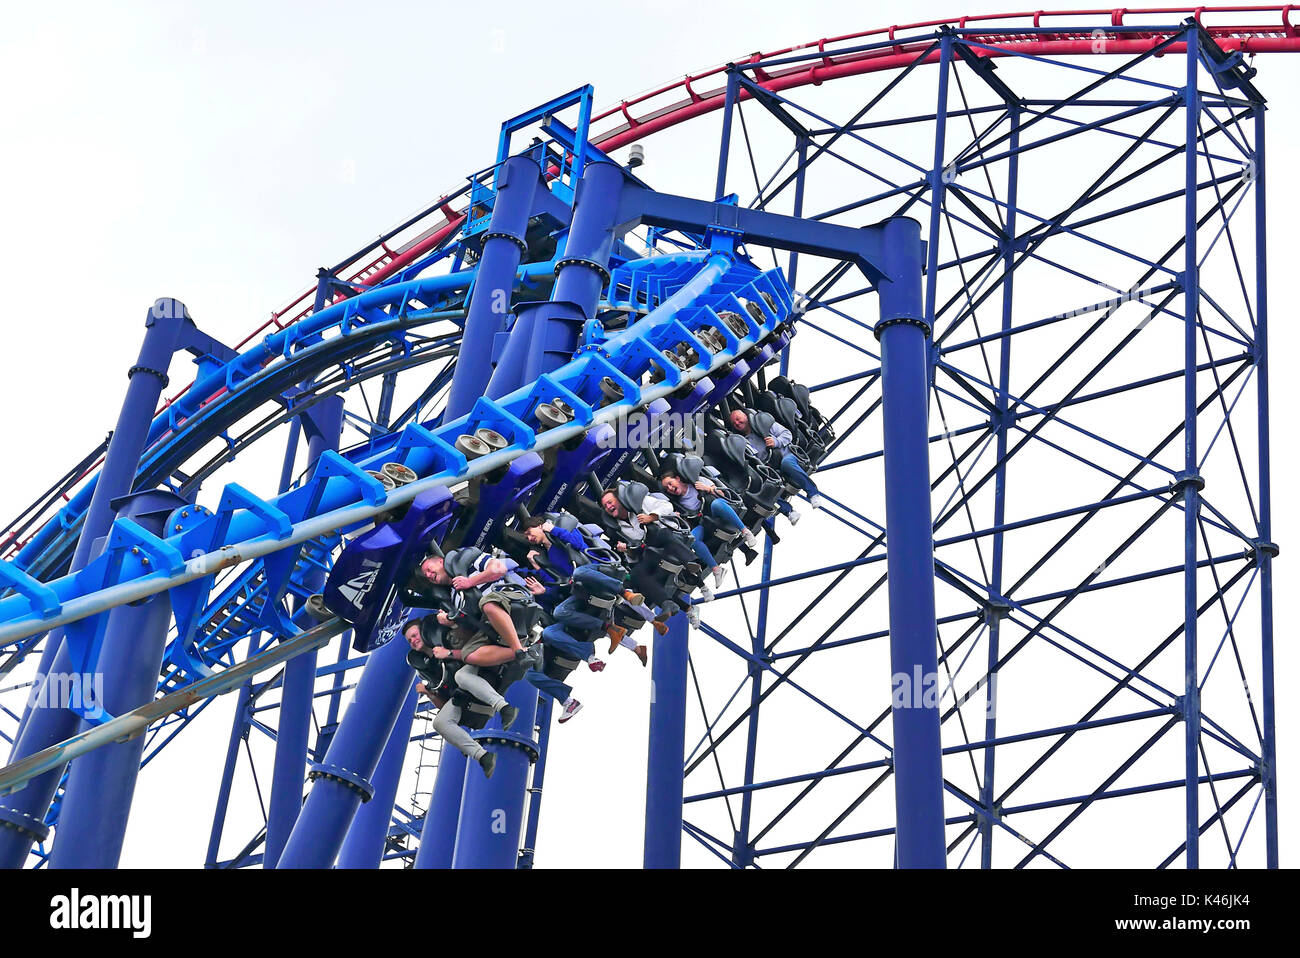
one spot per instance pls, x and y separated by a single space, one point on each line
680 100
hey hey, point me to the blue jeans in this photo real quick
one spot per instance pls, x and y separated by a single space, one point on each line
596 582
721 512
566 645
548 686
794 474
571 615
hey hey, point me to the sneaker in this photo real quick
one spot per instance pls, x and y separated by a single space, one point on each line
706 592
634 598
719 574
693 616
748 538
488 762
641 654
508 715
660 626
571 708
793 517
817 502
596 665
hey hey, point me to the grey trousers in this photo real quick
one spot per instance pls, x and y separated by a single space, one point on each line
468 678
447 724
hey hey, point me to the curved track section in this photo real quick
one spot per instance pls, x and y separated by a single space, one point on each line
1175 99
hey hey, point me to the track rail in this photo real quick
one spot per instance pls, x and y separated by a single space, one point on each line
250 531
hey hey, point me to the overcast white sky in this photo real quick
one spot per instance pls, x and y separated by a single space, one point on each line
220 154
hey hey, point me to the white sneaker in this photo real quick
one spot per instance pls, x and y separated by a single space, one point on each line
748 538
793 517
692 616
706 593
817 502
571 708
719 574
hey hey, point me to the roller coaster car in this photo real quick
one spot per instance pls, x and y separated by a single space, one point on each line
812 417
564 465
490 499
474 715
729 454
364 585
692 469
786 411
669 547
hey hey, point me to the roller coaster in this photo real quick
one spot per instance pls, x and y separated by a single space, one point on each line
929 673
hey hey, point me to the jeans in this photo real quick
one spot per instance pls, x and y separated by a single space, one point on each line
571 614
555 637
596 582
724 515
794 474
556 689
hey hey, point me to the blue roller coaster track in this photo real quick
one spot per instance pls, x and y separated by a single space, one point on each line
988 510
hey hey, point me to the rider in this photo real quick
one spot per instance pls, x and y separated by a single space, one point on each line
472 574
638 522
692 500
561 557
775 446
436 665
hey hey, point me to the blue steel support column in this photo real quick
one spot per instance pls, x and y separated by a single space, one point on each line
581 272
667 748
1191 483
364 733
344 776
492 809
513 363
1264 553
1000 488
438 833
92 821
324 425
163 326
905 368
43 726
239 721
517 183
364 845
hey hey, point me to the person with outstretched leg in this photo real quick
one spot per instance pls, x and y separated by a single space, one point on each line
437 683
